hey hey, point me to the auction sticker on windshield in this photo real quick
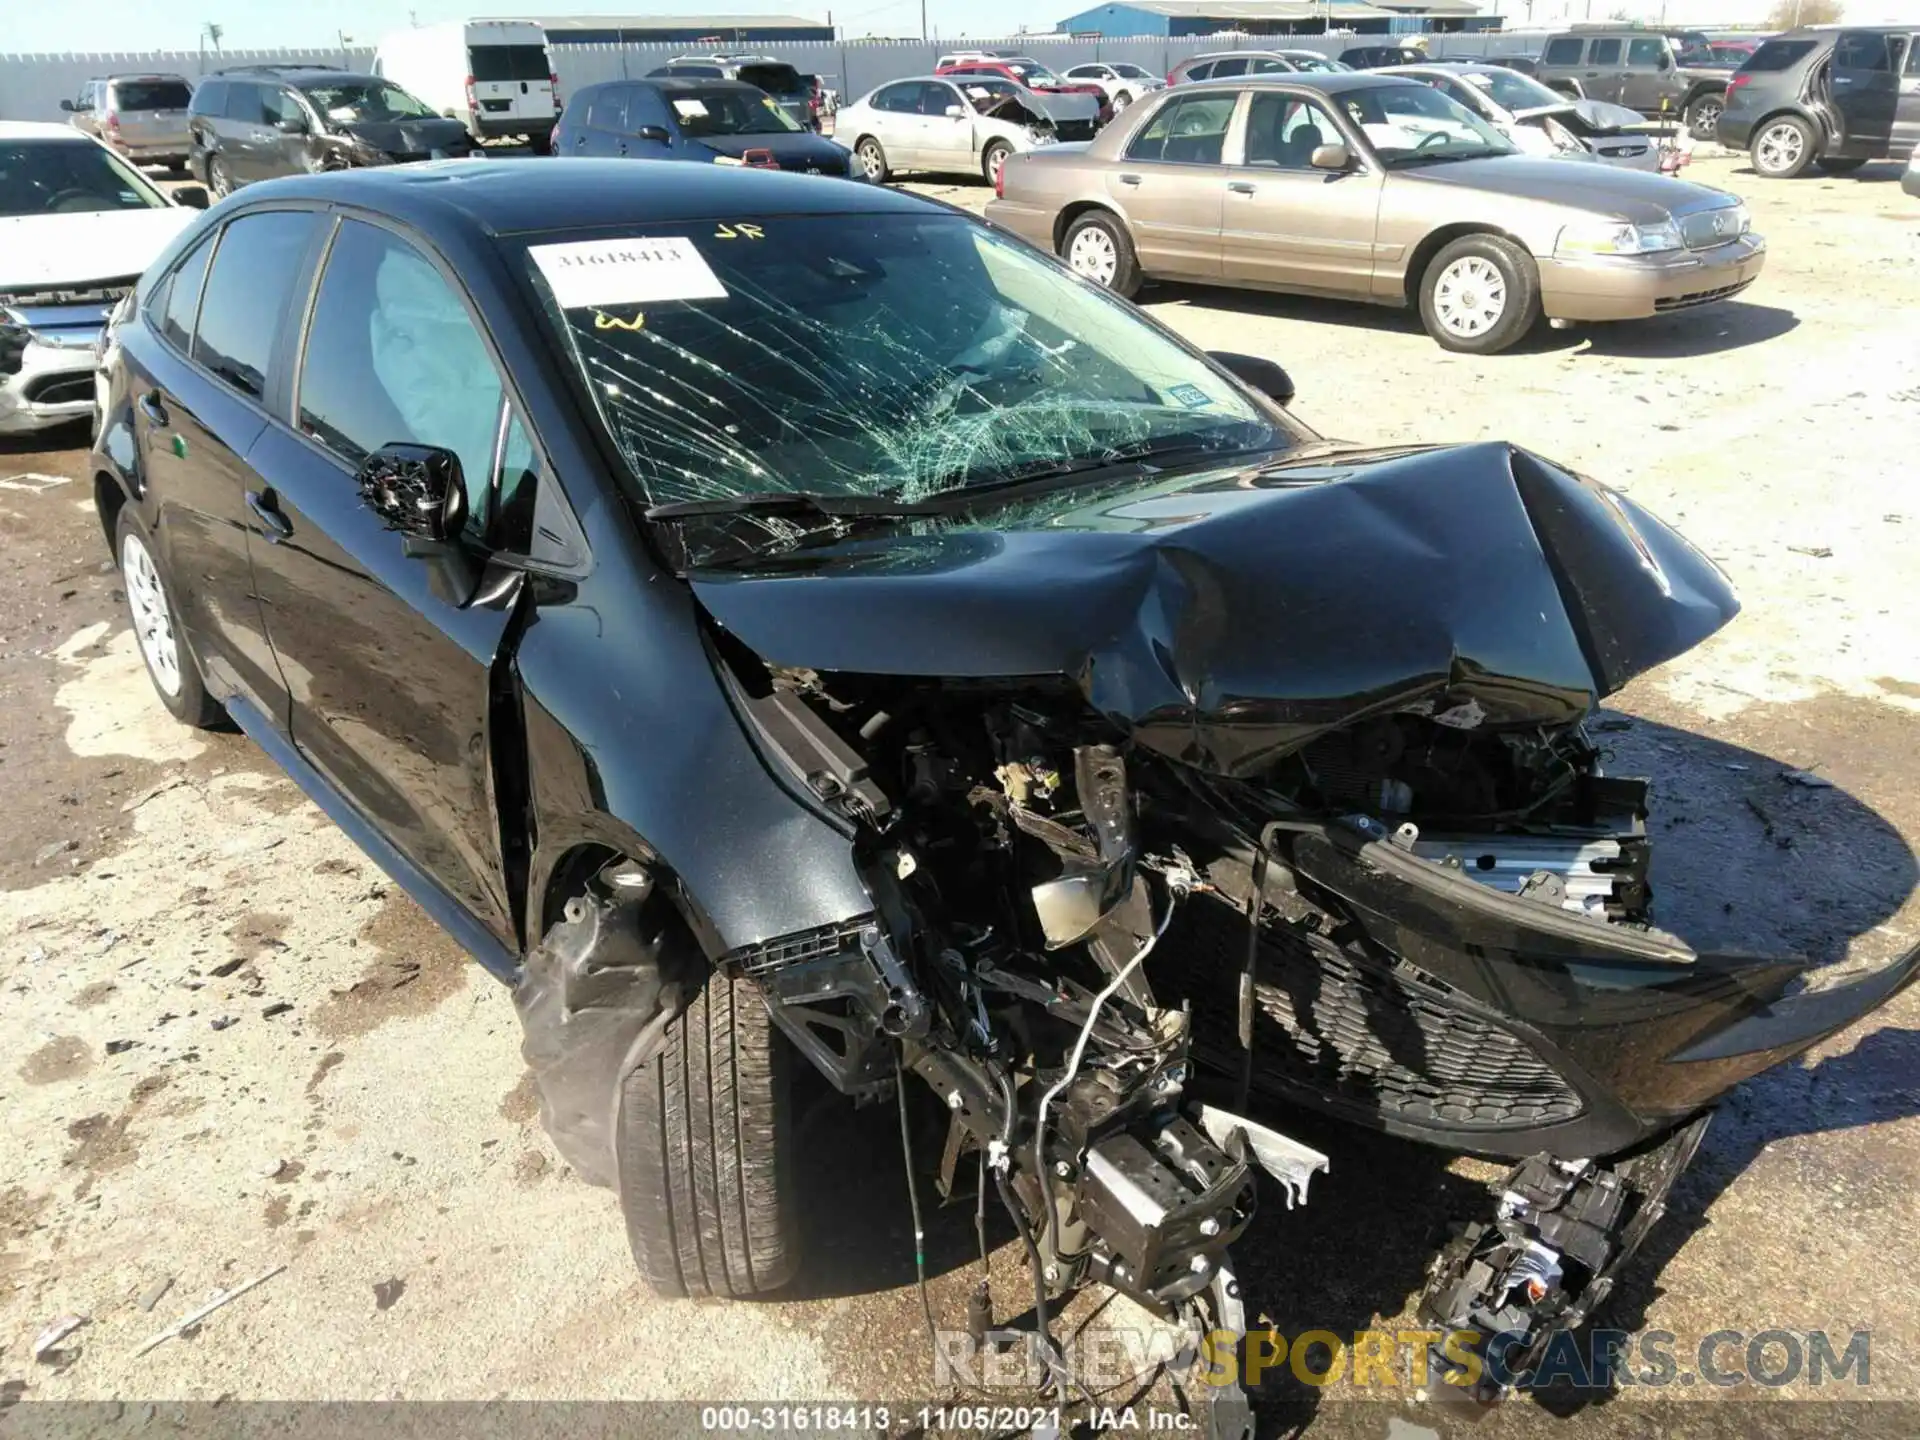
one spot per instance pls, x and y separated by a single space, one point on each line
626 272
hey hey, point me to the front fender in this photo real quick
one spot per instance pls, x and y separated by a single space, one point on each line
631 745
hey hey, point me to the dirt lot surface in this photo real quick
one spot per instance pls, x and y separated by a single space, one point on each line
233 1045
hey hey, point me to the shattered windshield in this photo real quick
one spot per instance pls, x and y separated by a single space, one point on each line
898 356
724 110
368 100
1417 125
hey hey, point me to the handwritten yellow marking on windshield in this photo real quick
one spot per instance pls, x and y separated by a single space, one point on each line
739 232
604 321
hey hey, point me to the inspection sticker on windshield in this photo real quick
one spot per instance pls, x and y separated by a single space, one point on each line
626 272
1191 396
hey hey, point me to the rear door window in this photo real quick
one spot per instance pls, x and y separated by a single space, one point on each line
508 62
1190 131
183 297
1778 54
249 290
152 94
607 110
244 103
1604 52
1564 51
774 79
897 99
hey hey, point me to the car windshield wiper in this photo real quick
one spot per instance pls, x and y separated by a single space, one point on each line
1157 456
1438 157
797 504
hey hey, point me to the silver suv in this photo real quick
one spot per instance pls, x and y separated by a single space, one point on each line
142 117
1657 72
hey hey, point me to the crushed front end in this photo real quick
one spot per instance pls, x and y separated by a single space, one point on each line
1252 791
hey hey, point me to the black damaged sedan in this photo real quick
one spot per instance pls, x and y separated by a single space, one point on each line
772 621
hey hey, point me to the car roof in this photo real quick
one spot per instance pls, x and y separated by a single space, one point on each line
506 197
298 75
40 130
1229 54
1326 82
144 75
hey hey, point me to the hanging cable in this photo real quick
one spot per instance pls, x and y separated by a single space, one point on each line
919 1231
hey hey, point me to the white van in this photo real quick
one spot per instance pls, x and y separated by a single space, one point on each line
496 75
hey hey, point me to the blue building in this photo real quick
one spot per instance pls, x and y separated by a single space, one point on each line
1171 19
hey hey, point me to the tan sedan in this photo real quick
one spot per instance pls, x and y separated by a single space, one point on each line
1368 187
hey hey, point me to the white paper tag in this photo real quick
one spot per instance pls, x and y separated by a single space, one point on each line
627 272
688 109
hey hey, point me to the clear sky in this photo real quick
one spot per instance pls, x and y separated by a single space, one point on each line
99 25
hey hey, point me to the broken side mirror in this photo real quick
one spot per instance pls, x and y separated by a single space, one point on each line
418 490
1331 157
1262 375
192 197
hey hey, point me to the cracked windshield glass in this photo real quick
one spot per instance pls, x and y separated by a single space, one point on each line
877 361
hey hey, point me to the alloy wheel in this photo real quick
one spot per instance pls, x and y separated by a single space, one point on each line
1094 255
870 160
217 178
152 616
1470 296
996 162
1706 117
1780 148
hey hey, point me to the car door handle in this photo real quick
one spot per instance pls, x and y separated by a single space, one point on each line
155 412
1240 187
267 507
1128 179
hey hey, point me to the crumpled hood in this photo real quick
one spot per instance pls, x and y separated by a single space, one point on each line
1227 617
1058 105
86 247
409 137
1600 116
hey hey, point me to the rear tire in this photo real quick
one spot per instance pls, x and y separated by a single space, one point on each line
1784 147
873 160
540 145
1097 247
156 628
705 1157
1121 101
1480 295
1839 164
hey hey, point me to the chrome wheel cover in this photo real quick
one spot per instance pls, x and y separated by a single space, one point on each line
1093 254
1470 297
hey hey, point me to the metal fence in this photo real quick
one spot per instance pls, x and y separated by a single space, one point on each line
32 86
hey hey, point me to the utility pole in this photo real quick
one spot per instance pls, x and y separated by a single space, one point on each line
923 21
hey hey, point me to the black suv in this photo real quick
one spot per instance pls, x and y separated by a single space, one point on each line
1835 98
772 622
255 123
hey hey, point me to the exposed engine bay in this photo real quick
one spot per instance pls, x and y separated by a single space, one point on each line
1111 958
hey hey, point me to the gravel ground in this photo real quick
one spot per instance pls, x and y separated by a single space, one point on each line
234 1045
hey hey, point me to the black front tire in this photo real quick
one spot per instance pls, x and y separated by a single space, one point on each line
705 1152
188 702
1448 316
